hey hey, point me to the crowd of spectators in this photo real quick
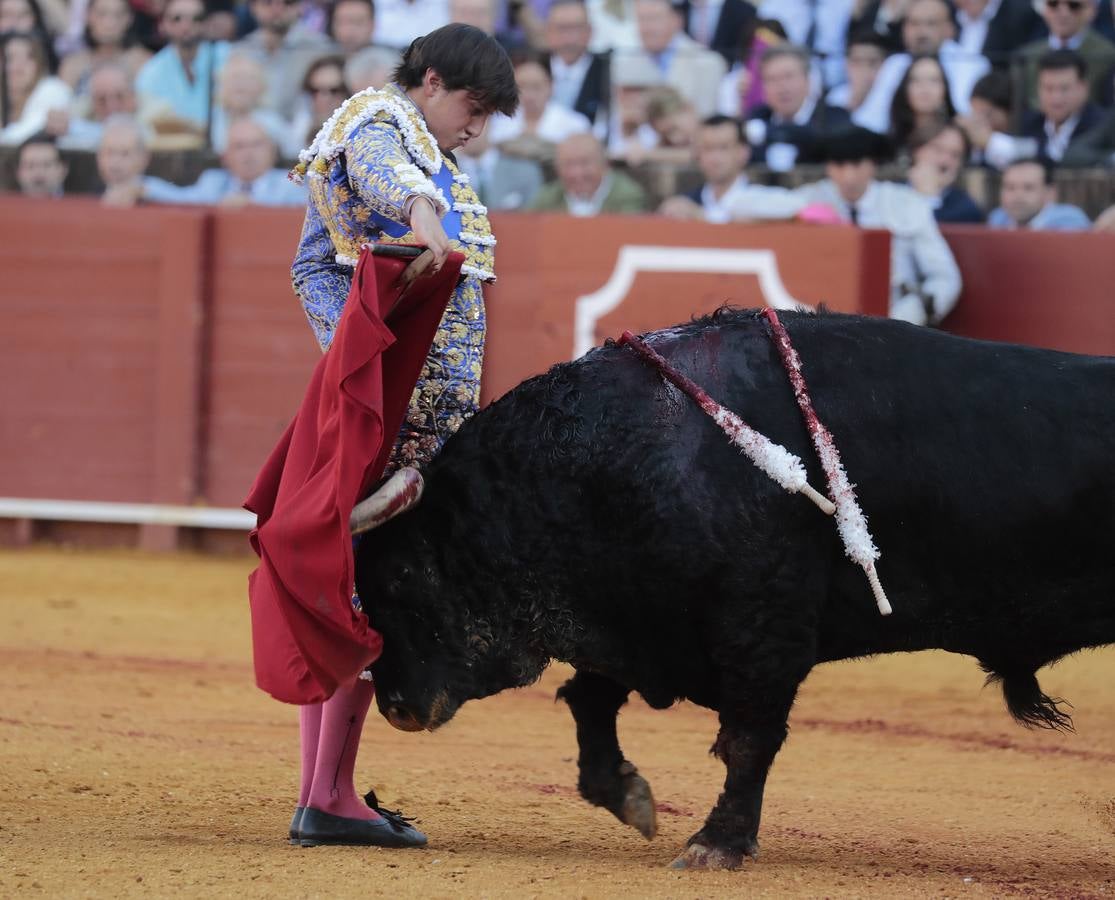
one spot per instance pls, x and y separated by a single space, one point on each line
1016 87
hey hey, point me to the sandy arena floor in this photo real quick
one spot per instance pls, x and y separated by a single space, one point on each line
138 758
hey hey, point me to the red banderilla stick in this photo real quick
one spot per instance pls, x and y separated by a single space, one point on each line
773 459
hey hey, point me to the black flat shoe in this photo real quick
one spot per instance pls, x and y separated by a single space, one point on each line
296 824
319 827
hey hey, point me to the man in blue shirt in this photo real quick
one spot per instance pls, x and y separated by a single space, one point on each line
249 176
184 73
1027 199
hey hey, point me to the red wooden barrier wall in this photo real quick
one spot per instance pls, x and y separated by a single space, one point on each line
1044 288
155 355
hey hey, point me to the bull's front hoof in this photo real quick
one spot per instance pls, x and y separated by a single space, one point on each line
698 856
638 803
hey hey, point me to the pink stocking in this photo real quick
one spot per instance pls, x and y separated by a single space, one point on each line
309 730
342 720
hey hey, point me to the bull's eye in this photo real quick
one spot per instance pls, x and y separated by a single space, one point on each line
399 579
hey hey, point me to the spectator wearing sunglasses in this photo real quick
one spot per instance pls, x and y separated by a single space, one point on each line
1070 28
286 47
184 73
323 89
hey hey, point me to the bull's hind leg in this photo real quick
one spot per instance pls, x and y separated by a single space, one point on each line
752 730
606 778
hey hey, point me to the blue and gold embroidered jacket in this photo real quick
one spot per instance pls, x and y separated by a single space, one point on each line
368 162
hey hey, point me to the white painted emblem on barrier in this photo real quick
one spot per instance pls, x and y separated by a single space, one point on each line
634 259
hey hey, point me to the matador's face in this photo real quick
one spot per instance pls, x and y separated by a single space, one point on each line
453 117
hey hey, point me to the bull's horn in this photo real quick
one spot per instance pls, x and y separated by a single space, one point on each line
400 492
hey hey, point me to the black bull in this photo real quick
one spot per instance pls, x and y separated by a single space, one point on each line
595 515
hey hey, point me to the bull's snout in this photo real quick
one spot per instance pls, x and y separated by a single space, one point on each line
402 718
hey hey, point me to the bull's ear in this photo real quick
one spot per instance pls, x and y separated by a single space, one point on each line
399 493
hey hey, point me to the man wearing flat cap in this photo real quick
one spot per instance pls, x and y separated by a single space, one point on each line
925 281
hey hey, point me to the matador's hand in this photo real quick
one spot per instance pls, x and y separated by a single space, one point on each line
426 225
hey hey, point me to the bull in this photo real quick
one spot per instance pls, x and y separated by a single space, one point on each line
595 515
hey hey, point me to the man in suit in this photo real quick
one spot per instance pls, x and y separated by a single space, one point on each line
717 24
722 153
790 127
820 26
685 65
249 176
581 79
501 182
1097 147
884 18
586 186
1064 115
1104 23
997 28
863 58
925 281
1070 28
1028 199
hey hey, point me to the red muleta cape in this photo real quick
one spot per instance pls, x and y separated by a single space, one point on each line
307 638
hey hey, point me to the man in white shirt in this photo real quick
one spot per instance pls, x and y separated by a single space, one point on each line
925 280
862 61
580 78
722 154
927 29
538 120
398 22
973 17
996 28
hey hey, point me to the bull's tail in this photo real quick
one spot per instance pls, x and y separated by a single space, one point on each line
1026 701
